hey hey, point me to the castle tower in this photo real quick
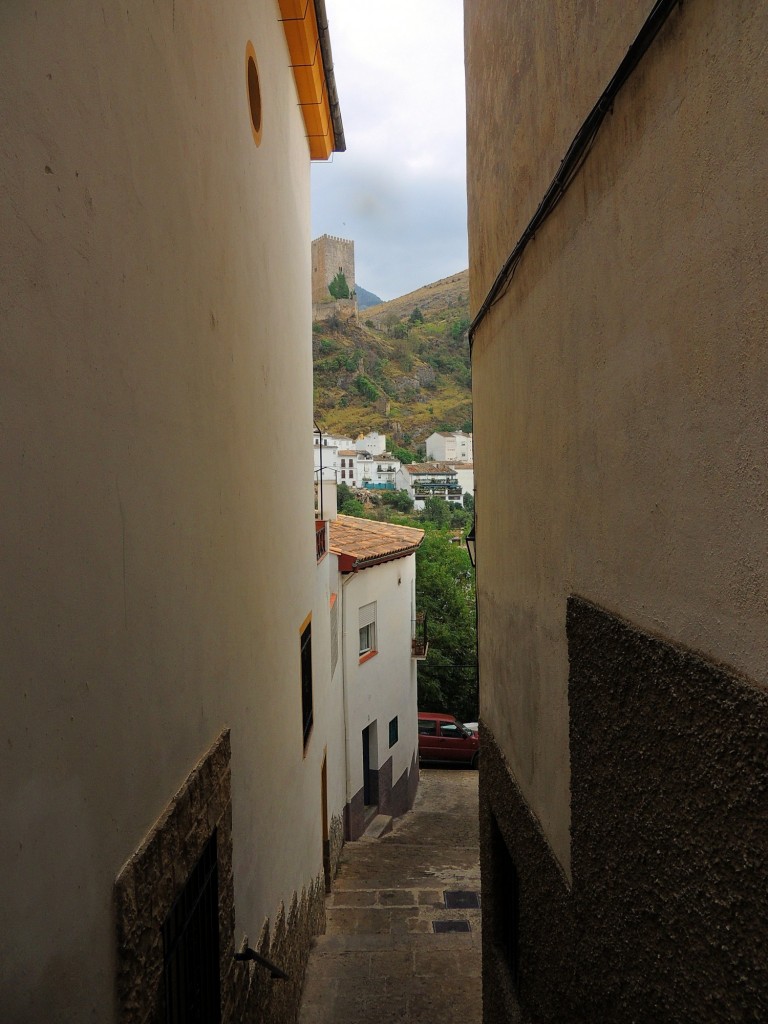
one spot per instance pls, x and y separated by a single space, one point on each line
329 255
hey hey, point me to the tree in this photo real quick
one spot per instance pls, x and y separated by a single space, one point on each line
416 317
338 287
366 387
398 500
468 501
445 590
436 511
405 455
459 519
347 503
459 327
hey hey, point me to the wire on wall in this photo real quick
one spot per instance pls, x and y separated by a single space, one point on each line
576 155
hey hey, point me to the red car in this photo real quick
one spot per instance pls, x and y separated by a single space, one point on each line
442 738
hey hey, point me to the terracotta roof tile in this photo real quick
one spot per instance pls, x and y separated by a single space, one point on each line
366 540
422 468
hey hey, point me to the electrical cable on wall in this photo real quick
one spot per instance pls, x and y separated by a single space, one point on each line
576 155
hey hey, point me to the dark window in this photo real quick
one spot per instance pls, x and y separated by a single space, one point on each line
393 732
191 946
306 680
451 731
426 727
506 904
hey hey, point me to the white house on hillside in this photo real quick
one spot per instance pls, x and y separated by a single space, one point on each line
377 473
449 446
347 461
374 654
465 474
373 442
424 480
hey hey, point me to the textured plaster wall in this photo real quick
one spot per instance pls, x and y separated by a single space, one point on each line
620 385
154 578
662 921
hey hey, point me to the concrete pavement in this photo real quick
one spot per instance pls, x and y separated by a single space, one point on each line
381 960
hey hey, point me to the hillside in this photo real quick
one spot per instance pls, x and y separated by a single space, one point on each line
403 369
366 299
445 294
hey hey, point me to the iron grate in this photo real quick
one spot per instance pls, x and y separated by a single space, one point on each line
450 926
457 899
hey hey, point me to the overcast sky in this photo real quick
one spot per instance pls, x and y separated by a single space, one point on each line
399 190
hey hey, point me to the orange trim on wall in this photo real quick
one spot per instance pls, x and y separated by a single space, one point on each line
303 38
367 656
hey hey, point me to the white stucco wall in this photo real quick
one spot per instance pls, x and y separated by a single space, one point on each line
373 442
155 579
383 686
466 478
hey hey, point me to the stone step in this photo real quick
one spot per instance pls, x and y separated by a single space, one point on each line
367 943
380 825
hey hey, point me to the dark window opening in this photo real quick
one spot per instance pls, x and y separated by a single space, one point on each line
506 904
191 946
306 681
393 736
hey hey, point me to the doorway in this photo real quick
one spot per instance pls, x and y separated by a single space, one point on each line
370 780
324 813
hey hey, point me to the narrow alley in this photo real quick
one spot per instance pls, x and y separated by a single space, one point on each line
385 956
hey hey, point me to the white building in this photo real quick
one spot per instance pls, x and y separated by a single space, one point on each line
377 473
374 653
424 480
465 474
172 767
450 446
373 442
347 467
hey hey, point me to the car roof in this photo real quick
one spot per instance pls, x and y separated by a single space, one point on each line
436 716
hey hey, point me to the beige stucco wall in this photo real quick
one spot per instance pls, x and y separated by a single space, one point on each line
154 577
620 419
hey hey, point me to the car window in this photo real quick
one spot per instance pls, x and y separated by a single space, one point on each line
426 728
451 730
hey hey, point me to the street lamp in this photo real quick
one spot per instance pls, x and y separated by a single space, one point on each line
470 539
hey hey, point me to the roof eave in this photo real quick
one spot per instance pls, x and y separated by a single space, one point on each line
348 563
339 142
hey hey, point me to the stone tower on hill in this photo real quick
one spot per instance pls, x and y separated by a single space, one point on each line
329 256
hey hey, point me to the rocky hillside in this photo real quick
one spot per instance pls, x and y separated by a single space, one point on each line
402 369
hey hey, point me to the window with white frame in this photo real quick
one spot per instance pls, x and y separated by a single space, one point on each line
367 623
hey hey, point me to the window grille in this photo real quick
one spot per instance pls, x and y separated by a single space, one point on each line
191 946
393 732
306 681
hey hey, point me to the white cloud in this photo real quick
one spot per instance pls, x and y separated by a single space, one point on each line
399 190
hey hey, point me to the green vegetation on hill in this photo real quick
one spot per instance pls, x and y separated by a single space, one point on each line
402 370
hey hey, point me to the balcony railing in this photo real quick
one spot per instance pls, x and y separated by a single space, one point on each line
321 539
419 636
426 490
